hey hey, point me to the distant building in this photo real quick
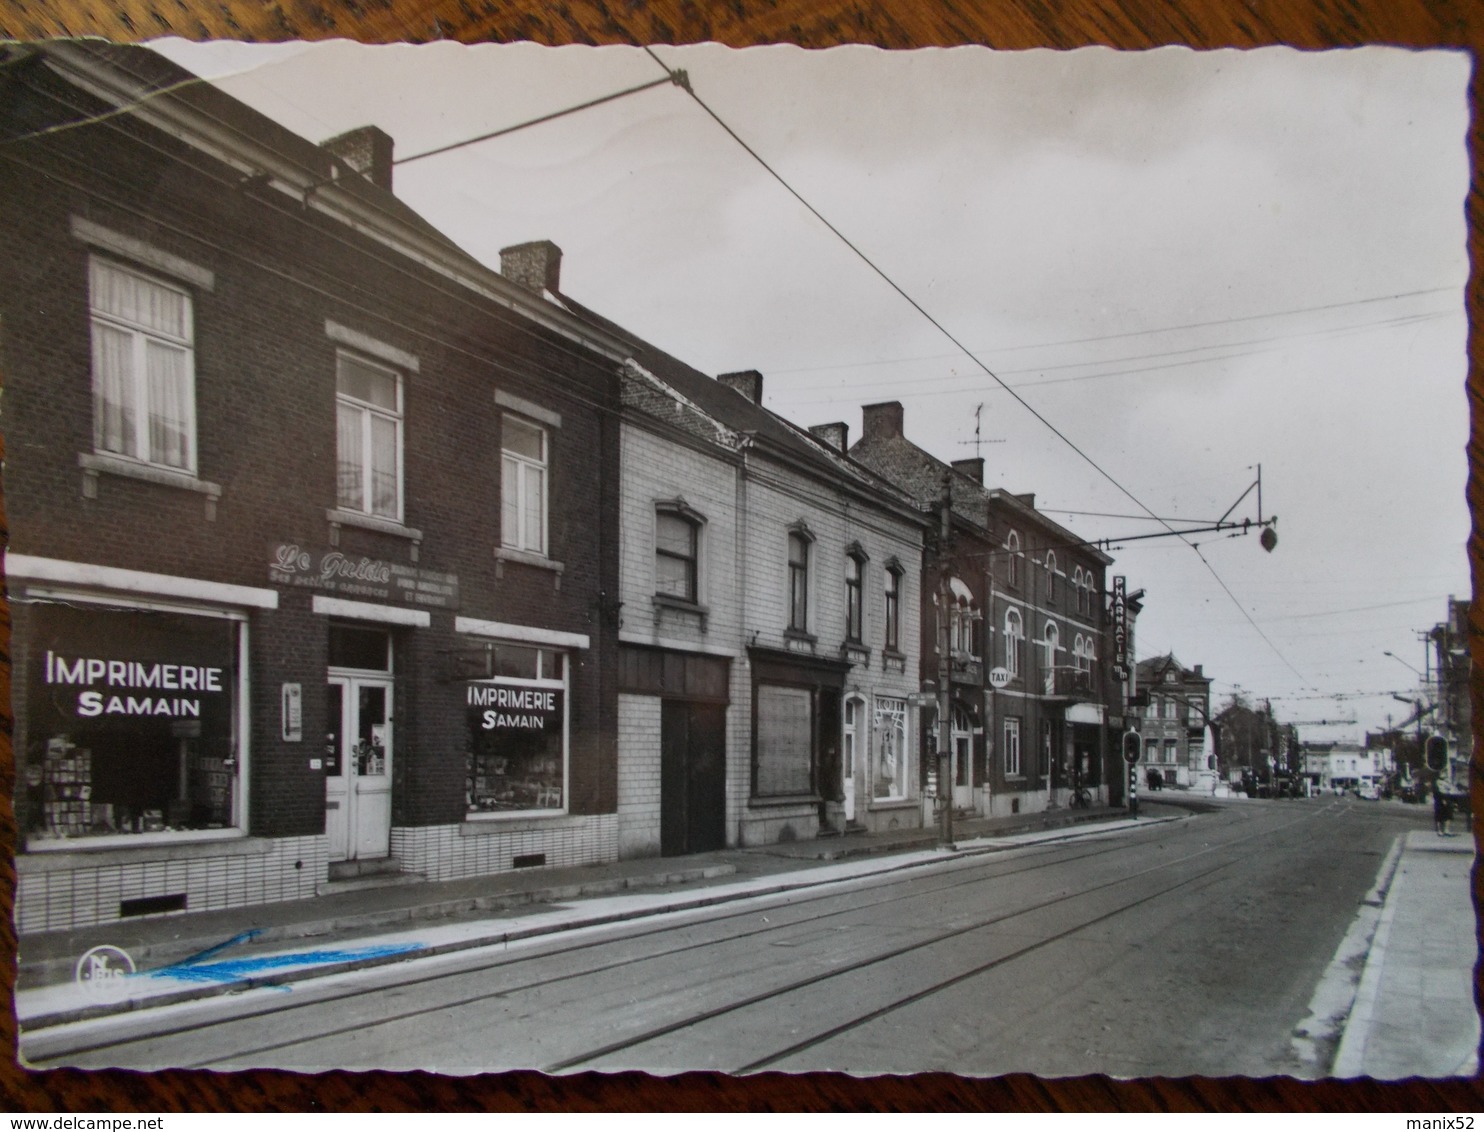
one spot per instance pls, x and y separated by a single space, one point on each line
1176 706
1338 767
1454 714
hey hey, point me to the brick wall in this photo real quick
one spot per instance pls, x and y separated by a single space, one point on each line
265 381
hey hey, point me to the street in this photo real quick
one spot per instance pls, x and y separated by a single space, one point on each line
1191 947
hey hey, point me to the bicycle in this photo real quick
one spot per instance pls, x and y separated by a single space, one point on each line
1079 799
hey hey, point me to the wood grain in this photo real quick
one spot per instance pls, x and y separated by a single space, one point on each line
1129 24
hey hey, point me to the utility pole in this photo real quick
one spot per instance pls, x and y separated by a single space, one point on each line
945 667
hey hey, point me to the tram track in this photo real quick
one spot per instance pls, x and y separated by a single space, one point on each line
980 877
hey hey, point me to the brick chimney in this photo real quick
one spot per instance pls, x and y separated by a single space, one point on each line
747 382
973 468
368 151
835 434
536 266
881 420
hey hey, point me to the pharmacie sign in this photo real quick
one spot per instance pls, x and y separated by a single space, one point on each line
355 575
513 707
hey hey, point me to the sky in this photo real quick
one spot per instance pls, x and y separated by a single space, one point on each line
1187 263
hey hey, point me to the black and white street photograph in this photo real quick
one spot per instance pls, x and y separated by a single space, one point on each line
684 557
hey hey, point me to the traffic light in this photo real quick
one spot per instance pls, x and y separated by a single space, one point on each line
1131 747
1437 753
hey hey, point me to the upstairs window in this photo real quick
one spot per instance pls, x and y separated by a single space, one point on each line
855 612
1050 576
1014 637
1012 559
1077 585
1080 659
798 582
676 543
893 607
368 437
144 385
525 457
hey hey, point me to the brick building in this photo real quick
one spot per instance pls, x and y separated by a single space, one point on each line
1176 708
1021 603
312 515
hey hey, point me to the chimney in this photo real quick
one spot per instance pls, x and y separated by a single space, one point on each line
1026 497
836 435
973 469
368 151
747 382
1197 671
881 420
536 266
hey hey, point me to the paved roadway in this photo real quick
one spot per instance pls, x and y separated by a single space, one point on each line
1185 948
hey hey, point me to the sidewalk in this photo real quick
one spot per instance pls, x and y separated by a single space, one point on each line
1414 1013
196 955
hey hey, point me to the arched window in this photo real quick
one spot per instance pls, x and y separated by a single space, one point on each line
1052 640
1050 575
1079 653
855 607
893 605
963 620
1012 559
1081 593
1014 636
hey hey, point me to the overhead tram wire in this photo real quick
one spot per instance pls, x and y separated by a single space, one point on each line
676 79
1143 333
890 282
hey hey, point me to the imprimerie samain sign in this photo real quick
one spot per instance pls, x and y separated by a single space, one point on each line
511 707
134 688
354 575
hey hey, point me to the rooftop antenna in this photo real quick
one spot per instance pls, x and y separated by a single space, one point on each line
978 440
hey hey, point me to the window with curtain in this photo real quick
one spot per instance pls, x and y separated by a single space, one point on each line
368 444
1014 635
144 386
1012 559
523 485
1012 748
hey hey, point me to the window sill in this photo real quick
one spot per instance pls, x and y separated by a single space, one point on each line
856 652
504 554
881 804
95 463
485 823
757 803
800 635
54 855
342 518
680 605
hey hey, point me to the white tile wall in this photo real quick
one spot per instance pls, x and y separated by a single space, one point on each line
60 900
447 852
639 776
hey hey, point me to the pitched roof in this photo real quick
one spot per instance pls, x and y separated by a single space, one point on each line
736 413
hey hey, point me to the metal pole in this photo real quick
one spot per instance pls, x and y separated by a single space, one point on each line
945 670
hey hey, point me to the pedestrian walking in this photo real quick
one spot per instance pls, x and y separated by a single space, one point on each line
1442 813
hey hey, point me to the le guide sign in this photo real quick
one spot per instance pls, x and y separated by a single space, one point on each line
371 579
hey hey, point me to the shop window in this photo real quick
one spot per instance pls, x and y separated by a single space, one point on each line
889 775
798 582
855 613
523 487
368 414
893 607
517 726
783 762
144 386
676 555
131 724
1012 748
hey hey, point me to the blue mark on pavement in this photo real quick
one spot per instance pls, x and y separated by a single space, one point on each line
246 937
237 970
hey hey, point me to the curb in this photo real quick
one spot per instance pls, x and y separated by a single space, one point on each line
679 904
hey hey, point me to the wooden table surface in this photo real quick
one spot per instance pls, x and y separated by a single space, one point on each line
1006 24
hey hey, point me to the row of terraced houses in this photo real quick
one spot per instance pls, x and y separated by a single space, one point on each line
335 551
